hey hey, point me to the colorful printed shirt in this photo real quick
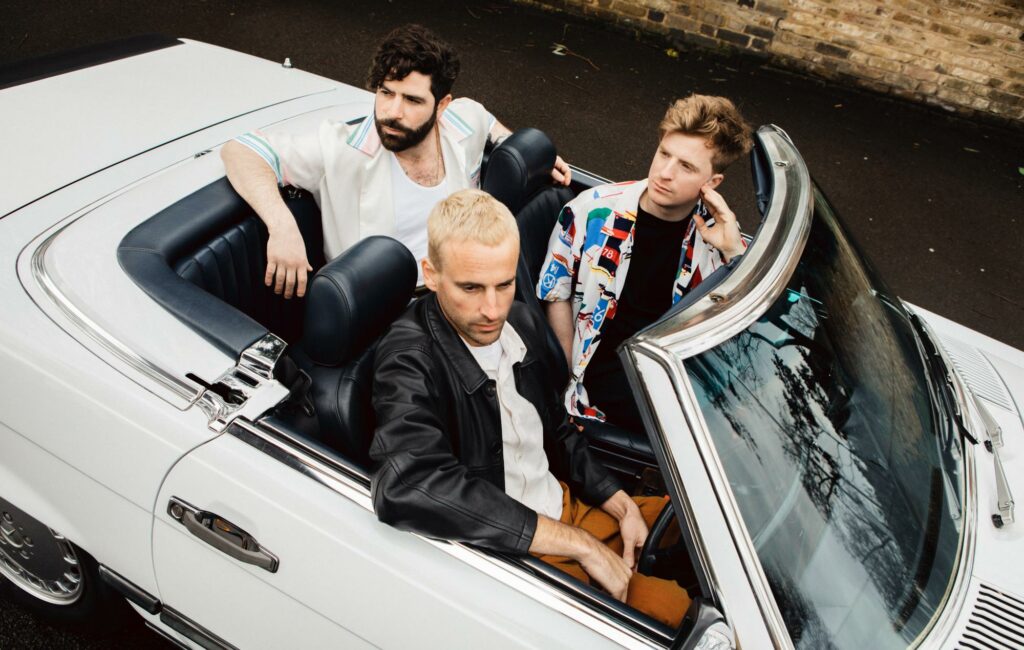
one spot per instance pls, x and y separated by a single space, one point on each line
348 171
588 257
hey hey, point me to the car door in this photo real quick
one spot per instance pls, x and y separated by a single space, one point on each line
257 545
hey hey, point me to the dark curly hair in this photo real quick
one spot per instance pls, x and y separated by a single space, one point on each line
414 48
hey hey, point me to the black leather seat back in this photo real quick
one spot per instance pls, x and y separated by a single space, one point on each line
350 303
204 257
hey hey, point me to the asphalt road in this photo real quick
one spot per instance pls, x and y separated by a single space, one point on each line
936 202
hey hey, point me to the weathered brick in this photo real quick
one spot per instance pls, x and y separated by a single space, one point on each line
920 74
681 23
733 37
629 9
772 9
1006 98
831 50
707 30
760 32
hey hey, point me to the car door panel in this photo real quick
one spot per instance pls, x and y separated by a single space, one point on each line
343 579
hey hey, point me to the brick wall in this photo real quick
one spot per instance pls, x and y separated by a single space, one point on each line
964 55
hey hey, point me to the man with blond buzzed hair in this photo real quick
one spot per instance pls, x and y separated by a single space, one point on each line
472 441
669 231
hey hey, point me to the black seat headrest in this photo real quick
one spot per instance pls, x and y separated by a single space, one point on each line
519 167
354 298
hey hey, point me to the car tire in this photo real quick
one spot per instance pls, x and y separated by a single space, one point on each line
45 573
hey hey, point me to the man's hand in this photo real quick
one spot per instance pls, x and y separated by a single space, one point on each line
608 569
632 527
600 562
725 234
561 173
287 266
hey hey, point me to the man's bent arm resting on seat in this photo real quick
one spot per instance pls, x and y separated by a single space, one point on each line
255 181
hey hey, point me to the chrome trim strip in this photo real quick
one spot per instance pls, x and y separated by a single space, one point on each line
770 613
181 389
192 630
355 486
707 577
943 626
761 274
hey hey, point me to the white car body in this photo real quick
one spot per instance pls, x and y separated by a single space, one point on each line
101 424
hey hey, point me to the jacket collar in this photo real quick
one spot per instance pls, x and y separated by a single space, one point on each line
451 344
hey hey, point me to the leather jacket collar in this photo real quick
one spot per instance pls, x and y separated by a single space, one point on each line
471 376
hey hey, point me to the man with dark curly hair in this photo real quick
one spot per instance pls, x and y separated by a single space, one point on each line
378 176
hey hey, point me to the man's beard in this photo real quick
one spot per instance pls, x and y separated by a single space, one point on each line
409 137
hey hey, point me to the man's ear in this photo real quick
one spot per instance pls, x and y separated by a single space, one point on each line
715 180
430 274
443 104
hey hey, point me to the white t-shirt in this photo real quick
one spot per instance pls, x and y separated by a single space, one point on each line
413 203
527 476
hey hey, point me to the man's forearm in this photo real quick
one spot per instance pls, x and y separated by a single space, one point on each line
560 318
255 182
555 538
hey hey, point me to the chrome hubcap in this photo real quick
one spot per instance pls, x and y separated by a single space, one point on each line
38 560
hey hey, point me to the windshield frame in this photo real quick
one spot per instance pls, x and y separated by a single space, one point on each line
728 308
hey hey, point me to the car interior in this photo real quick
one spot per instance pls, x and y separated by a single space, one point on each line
204 257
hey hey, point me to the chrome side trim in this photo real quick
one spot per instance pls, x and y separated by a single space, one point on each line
185 391
192 630
354 485
761 274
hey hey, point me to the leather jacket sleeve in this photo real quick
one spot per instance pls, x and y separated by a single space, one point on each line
420 485
586 477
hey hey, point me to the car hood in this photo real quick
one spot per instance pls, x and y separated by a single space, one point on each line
126 107
995 592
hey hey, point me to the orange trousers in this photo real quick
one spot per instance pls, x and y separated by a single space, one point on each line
663 600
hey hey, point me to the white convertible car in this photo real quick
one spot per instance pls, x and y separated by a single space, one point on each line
838 459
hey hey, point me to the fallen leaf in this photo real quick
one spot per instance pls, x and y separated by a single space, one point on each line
971 150
672 53
558 50
1020 170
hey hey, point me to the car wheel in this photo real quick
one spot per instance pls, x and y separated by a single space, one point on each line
43 571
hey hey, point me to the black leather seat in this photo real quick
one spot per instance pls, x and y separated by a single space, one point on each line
350 302
207 252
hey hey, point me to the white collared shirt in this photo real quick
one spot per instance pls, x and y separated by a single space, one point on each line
527 476
348 171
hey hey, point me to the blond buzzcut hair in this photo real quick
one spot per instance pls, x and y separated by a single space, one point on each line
468 215
715 118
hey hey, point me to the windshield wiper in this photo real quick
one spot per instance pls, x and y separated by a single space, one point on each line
941 373
993 432
1004 498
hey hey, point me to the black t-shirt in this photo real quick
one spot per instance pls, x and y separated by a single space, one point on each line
646 294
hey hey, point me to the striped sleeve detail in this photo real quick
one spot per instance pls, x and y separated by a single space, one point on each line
453 120
258 143
359 137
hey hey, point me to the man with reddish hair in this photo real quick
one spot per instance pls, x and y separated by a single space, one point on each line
669 231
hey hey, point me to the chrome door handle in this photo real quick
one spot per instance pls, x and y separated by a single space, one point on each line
222 535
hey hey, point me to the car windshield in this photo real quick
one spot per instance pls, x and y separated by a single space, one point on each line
846 471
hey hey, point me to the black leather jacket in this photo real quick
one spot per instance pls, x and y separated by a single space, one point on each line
437 446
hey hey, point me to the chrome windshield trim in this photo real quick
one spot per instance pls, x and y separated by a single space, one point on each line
666 459
354 485
698 427
761 274
943 624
